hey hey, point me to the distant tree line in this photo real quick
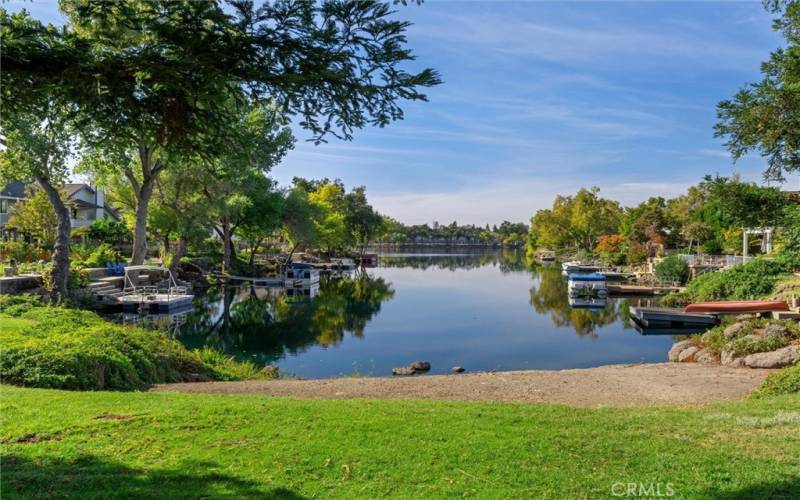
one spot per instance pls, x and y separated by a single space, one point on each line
508 234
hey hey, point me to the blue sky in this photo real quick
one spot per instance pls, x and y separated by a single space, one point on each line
542 98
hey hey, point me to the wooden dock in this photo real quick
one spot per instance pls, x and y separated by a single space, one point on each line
624 289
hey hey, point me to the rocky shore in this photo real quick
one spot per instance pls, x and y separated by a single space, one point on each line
746 343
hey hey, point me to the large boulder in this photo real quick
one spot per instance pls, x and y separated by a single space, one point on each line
734 330
728 358
776 330
678 348
420 366
688 354
775 359
706 357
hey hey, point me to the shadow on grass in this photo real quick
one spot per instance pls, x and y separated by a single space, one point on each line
788 489
94 477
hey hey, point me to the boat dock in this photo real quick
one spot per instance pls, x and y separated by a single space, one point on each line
657 317
625 289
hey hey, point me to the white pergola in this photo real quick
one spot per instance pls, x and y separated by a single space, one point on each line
766 244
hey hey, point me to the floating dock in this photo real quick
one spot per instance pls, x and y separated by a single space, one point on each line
655 317
624 289
155 302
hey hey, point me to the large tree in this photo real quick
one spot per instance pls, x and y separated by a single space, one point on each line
765 116
154 78
38 148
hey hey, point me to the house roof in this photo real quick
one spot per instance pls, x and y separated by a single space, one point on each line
15 189
71 189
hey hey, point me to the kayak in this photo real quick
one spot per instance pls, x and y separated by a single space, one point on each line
741 306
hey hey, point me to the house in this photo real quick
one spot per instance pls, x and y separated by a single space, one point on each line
85 202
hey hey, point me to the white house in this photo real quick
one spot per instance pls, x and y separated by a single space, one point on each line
86 203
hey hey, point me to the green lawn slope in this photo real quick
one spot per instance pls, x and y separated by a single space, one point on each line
115 445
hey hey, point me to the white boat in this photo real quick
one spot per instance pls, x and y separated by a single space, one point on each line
592 284
162 297
578 267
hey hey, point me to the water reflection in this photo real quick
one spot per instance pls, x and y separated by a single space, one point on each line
549 296
266 324
483 310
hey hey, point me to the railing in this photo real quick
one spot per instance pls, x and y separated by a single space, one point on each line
713 260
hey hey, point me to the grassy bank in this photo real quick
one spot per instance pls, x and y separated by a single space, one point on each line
72 349
106 445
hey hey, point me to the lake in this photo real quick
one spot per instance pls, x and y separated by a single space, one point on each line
481 310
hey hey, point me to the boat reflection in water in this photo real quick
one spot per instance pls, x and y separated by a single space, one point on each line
591 303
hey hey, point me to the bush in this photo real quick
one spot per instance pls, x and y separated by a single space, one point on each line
100 256
19 251
786 381
109 231
673 268
756 278
743 346
16 305
637 254
72 349
78 278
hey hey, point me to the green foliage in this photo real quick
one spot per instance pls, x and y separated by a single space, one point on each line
78 278
754 279
744 345
673 268
576 221
108 230
17 304
636 254
763 116
100 256
785 381
19 251
72 349
35 218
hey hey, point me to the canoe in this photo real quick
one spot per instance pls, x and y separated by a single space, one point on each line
742 306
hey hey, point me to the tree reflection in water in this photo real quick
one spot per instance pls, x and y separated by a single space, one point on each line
264 325
550 296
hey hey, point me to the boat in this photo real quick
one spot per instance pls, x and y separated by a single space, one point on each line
592 284
657 317
577 267
300 274
737 307
616 276
590 303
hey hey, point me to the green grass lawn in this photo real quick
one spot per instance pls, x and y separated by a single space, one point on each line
105 444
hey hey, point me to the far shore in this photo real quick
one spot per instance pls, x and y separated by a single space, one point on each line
610 385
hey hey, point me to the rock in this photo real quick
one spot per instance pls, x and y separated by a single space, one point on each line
733 330
728 358
776 330
403 371
458 369
688 354
705 357
744 317
420 366
776 359
677 348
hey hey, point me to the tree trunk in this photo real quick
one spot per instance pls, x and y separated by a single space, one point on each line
166 245
143 191
226 245
183 243
254 246
58 290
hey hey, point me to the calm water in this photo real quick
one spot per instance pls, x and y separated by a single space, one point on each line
486 311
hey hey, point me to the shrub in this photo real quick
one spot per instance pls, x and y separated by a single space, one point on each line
72 349
108 230
673 268
100 256
78 278
19 251
786 381
743 346
756 278
16 305
637 253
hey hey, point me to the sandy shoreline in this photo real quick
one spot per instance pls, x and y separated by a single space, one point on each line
612 385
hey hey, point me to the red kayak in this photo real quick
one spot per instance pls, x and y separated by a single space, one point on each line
741 306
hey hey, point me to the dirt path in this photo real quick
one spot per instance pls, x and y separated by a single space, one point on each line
613 385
